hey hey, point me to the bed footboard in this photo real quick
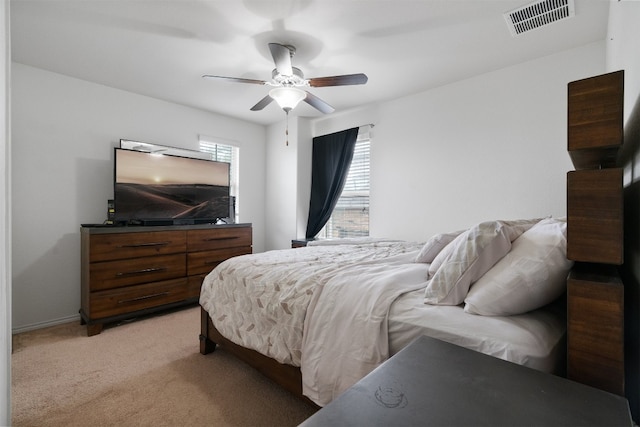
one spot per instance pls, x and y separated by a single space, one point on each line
287 376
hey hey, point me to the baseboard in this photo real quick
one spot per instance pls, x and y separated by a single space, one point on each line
45 324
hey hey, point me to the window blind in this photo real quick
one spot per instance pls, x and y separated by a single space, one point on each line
350 217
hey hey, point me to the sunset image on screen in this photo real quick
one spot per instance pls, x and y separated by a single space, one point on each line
149 186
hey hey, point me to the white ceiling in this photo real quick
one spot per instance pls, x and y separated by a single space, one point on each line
162 48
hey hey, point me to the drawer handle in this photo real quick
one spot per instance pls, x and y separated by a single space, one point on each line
144 245
211 239
126 301
144 271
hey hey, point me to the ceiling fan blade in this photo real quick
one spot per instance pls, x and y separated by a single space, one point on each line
262 103
318 103
282 58
345 80
235 79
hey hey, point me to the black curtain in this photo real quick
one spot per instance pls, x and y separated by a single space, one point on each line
332 155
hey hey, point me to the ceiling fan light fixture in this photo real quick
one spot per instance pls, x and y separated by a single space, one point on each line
287 97
286 79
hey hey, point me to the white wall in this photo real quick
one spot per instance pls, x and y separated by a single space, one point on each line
280 207
289 181
490 147
623 47
303 176
5 219
63 133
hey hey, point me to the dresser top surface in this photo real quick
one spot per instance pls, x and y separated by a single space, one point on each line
110 229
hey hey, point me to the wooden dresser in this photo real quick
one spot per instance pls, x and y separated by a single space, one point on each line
595 293
131 271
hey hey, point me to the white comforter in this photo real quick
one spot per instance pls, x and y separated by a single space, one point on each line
338 295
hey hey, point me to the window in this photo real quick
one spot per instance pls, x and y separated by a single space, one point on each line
350 217
225 153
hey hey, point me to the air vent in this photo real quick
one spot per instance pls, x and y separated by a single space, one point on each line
538 14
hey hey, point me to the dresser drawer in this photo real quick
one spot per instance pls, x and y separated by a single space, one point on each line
116 274
218 238
132 298
205 261
107 247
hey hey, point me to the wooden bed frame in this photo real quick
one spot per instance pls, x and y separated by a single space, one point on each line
287 376
595 314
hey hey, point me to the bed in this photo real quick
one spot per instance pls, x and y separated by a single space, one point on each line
319 318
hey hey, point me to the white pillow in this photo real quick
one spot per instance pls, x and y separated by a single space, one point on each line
434 245
514 229
518 226
446 252
470 255
532 275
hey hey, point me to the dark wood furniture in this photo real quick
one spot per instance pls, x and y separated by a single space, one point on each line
131 271
595 293
434 383
595 120
594 209
299 243
595 320
287 376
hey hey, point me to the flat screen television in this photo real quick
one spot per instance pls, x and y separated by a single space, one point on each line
161 189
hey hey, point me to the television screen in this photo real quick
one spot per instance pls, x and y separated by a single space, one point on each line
159 188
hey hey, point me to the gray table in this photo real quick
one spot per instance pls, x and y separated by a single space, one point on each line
434 383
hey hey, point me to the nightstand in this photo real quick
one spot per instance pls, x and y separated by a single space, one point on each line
432 382
300 243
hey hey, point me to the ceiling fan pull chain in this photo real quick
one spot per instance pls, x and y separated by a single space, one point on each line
286 132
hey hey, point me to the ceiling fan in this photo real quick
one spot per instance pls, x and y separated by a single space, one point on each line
287 81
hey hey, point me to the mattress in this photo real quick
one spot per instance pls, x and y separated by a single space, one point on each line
535 339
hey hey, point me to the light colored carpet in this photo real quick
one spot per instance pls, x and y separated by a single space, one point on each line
148 372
